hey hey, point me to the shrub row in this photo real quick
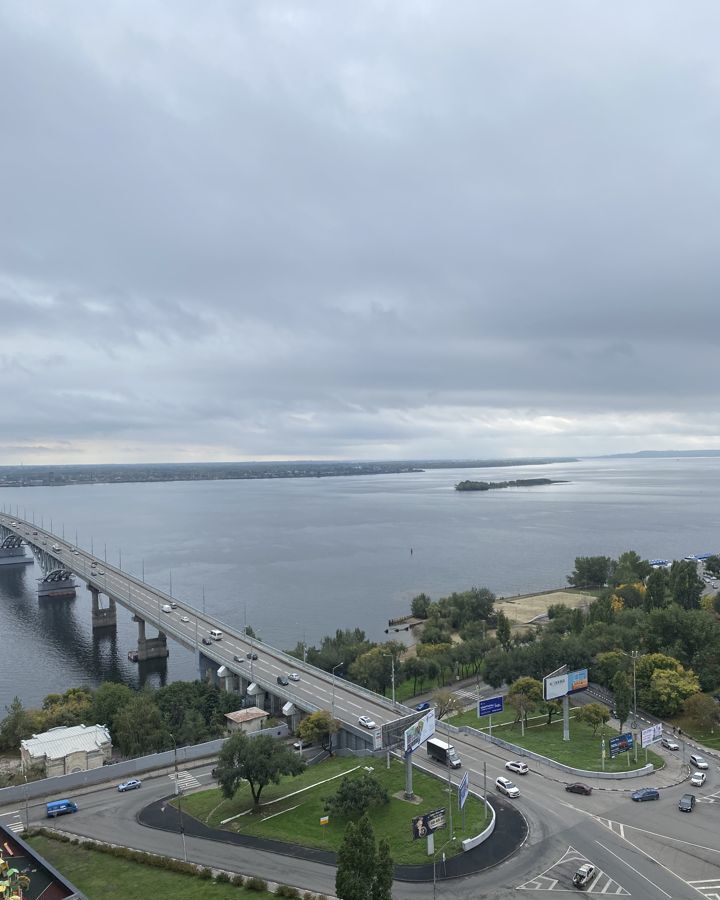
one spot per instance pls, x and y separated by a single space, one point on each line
251 883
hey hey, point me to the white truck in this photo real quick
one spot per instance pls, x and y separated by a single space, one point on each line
443 752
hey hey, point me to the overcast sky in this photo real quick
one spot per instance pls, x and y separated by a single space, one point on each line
371 230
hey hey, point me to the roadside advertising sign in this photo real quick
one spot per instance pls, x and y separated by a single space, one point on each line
621 744
577 681
490 706
419 732
377 739
554 686
463 790
424 825
651 735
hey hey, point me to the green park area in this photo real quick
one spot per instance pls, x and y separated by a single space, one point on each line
105 877
582 751
292 810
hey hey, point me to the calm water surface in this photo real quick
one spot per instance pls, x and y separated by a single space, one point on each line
297 559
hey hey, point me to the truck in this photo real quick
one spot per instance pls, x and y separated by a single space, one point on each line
443 753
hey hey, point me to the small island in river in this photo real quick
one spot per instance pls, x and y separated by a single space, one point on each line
494 485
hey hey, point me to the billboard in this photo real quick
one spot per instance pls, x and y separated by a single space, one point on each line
419 732
651 735
490 706
558 685
422 826
463 790
554 686
577 681
621 744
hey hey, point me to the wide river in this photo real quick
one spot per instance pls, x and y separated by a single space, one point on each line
299 558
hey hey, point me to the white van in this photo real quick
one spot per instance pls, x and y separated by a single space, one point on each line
215 634
167 608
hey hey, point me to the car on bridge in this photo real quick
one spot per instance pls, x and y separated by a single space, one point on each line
132 785
422 706
646 793
293 676
238 659
366 722
505 786
520 768
282 679
251 655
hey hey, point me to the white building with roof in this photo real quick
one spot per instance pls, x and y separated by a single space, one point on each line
67 748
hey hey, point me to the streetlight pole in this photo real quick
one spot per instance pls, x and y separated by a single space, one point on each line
634 654
179 798
434 860
392 675
338 666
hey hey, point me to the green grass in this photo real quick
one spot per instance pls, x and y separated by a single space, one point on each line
582 751
297 818
470 717
104 877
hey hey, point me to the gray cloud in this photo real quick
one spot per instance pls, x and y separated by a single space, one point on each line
393 229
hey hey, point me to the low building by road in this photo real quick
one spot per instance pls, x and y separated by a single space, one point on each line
67 749
248 720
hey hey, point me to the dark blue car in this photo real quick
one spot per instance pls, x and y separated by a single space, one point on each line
646 794
421 706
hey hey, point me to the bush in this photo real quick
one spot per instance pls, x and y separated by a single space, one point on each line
205 872
284 890
238 880
256 884
308 895
222 877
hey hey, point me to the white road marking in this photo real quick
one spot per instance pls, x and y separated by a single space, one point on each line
636 871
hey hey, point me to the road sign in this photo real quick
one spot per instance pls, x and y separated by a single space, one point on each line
463 790
621 744
490 706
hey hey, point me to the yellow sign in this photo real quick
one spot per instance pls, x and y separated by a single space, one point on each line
324 820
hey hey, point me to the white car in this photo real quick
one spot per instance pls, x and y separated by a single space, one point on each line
505 786
698 762
516 766
366 722
698 779
184 618
293 676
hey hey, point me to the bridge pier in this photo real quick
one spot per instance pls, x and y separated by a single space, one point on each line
102 617
150 648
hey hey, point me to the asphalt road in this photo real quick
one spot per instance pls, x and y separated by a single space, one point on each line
642 850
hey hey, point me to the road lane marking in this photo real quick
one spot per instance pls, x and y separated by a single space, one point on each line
636 871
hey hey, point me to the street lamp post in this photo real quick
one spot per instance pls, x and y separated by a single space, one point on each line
435 859
634 654
179 798
338 666
392 675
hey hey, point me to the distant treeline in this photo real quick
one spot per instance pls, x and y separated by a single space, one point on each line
494 485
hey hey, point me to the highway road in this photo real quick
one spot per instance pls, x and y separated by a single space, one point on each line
187 624
642 850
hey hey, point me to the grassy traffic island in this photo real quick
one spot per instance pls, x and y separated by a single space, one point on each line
582 751
291 811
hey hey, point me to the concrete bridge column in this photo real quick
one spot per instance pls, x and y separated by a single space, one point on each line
102 617
150 648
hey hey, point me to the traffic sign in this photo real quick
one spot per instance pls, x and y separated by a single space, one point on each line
490 706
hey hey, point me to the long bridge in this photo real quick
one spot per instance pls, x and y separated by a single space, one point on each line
229 661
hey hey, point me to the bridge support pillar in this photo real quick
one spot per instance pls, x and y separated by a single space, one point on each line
102 617
150 648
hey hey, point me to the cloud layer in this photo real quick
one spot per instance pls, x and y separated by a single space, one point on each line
378 230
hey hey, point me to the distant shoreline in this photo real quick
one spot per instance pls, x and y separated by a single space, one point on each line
497 485
61 476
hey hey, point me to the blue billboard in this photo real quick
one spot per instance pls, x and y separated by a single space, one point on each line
621 744
490 706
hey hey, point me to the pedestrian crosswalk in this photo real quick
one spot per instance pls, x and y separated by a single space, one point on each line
709 888
186 781
13 822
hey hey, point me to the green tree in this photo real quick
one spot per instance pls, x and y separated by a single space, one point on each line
420 605
607 664
669 690
591 571
16 726
525 695
656 589
702 711
384 870
623 696
415 668
318 728
364 872
502 630
108 700
712 565
685 584
356 795
629 568
139 726
552 708
259 761
594 715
